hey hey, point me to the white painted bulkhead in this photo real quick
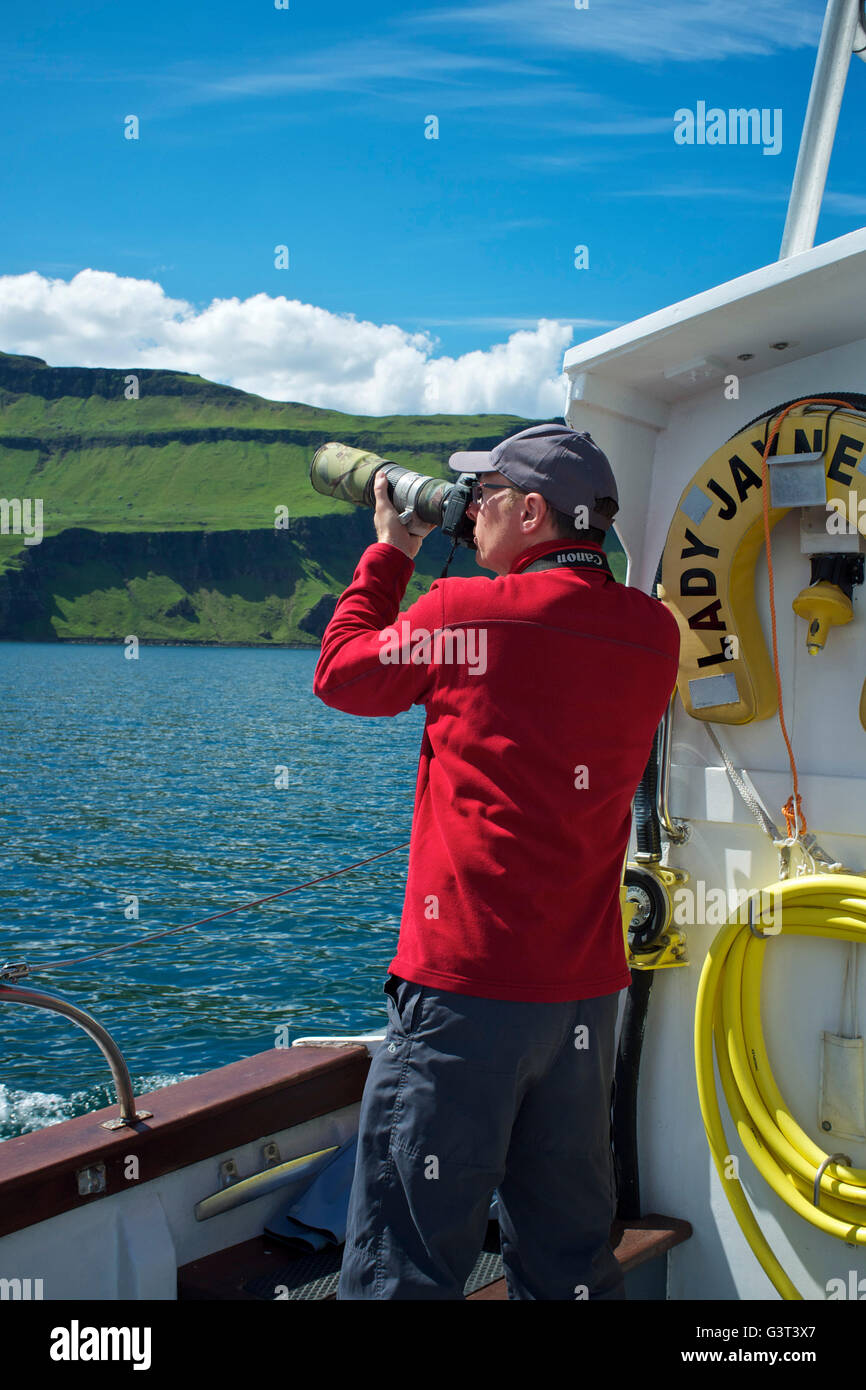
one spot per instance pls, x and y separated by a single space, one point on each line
130 1245
657 430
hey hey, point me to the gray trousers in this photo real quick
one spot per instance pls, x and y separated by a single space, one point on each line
467 1097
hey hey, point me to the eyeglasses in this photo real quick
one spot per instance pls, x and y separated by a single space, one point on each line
478 490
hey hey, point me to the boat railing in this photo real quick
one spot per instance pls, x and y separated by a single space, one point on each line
14 993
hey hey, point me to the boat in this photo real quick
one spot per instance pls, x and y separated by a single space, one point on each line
736 423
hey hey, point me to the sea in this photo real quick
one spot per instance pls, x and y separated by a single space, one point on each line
141 794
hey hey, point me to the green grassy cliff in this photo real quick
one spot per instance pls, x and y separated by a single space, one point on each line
158 512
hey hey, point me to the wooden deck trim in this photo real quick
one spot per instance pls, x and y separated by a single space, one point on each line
634 1243
194 1119
642 1239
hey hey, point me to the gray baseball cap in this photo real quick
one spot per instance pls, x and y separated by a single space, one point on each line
566 467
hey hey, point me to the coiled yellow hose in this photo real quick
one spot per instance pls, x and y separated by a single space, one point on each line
729 1013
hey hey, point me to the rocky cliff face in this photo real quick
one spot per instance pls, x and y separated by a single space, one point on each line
32 376
259 587
190 464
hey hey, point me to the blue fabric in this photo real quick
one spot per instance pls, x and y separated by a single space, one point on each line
317 1218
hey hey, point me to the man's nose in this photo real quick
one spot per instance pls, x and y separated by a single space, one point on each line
472 511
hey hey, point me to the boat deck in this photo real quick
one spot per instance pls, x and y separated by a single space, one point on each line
255 1269
75 1174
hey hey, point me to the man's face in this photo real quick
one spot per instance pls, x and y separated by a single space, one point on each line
507 522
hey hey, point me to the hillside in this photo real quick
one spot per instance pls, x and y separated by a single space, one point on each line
158 512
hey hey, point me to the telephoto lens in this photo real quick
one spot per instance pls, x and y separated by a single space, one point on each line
340 471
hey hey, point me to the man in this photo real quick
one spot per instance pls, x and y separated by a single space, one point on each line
543 692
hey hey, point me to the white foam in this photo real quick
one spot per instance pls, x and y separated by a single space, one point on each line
23 1111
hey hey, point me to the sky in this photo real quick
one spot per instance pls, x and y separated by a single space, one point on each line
430 170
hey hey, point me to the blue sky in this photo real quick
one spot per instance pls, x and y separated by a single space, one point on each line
306 127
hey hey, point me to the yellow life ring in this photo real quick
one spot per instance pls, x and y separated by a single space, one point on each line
708 567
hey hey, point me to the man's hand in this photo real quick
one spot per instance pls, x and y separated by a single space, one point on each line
389 527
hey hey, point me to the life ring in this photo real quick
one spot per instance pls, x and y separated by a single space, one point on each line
717 532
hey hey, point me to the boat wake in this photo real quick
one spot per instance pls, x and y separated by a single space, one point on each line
23 1111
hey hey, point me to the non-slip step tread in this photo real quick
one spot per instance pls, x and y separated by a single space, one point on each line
262 1269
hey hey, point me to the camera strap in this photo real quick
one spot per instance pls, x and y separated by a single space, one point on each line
571 558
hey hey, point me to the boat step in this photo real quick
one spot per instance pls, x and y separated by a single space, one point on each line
261 1269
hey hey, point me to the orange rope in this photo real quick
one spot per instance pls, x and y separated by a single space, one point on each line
792 817
793 808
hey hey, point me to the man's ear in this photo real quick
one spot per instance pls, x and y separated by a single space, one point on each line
537 506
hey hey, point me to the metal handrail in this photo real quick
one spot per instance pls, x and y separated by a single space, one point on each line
13 993
677 831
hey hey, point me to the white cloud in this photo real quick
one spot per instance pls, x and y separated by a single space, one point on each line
363 65
365 62
842 203
845 203
634 31
279 348
512 323
687 190
516 55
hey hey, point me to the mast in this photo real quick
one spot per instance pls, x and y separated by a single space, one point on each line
841 26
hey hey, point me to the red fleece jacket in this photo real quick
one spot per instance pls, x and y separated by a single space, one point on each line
543 692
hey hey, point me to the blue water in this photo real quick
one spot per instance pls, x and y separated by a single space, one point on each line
155 778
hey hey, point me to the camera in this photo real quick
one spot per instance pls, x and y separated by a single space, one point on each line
348 474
